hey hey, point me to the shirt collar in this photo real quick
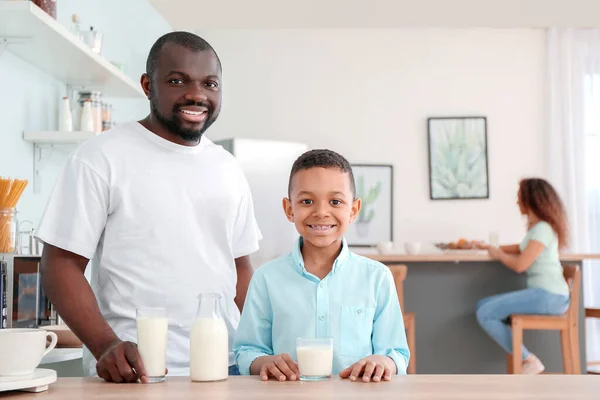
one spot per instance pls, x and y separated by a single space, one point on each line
299 261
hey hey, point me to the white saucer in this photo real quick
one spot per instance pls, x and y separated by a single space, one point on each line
36 382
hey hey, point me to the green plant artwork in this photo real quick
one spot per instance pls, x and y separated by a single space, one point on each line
373 224
458 164
368 197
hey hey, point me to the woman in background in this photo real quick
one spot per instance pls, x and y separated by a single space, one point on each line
547 291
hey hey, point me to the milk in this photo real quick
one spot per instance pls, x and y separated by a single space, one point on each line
315 360
152 344
209 350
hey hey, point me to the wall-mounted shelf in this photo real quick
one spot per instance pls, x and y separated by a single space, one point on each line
45 143
30 33
50 138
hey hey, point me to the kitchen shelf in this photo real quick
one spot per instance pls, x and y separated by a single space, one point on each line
30 33
45 143
57 137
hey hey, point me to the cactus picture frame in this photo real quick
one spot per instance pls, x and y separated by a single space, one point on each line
374 224
458 159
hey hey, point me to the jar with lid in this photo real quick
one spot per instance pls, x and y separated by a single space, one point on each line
97 111
49 6
106 116
8 230
86 121
95 99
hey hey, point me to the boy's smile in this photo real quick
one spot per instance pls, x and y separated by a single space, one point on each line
321 229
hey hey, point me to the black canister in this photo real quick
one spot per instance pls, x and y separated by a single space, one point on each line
3 294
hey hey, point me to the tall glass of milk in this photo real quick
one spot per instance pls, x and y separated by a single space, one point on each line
209 341
152 328
315 358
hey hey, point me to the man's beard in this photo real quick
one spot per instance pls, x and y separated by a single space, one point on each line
174 124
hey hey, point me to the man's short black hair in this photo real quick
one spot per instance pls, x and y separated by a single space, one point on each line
185 39
322 158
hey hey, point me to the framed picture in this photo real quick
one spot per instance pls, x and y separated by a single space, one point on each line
458 161
374 186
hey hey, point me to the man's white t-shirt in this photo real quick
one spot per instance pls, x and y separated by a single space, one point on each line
161 224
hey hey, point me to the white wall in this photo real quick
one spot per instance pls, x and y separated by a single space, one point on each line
368 93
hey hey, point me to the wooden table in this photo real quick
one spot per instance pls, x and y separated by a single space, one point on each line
460 387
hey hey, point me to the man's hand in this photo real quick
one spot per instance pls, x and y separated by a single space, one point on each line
372 368
121 362
280 367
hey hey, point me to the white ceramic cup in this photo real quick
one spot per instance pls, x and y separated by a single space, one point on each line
22 350
412 247
385 247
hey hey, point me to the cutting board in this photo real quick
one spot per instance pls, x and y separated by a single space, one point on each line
36 382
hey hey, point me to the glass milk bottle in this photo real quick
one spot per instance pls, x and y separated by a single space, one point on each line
209 341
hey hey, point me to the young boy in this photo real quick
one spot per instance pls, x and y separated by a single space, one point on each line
322 289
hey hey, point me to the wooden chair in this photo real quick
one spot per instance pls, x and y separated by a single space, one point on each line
399 274
567 324
592 366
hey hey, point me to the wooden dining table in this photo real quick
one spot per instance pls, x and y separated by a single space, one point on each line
408 387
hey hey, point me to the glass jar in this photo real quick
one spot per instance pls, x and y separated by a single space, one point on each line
8 230
106 116
49 6
95 99
209 341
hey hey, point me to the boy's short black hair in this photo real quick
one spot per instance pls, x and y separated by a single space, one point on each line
322 158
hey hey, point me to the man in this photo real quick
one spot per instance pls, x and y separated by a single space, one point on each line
163 213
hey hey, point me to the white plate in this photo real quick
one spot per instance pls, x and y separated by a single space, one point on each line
36 382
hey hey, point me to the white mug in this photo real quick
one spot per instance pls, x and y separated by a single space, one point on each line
412 247
385 247
22 350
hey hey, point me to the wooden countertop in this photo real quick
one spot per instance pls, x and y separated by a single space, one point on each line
458 256
492 387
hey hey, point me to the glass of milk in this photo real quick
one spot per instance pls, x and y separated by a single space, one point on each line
315 358
152 328
494 238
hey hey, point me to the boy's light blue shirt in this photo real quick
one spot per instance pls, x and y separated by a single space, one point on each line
356 304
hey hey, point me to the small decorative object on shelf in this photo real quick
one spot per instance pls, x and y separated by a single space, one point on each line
95 100
106 116
65 118
86 123
49 6
76 29
93 38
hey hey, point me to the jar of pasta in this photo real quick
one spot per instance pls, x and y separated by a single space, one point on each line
8 230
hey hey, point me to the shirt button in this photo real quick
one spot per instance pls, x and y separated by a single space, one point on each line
359 311
321 285
321 318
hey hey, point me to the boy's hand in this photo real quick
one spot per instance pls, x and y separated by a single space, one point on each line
280 367
372 368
